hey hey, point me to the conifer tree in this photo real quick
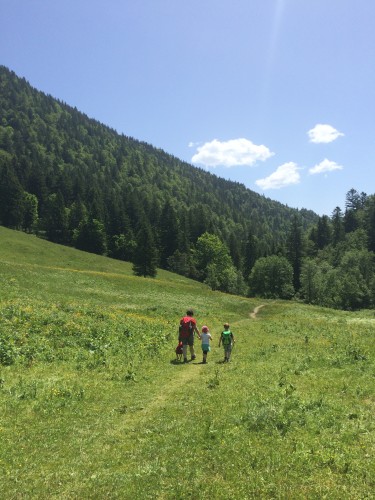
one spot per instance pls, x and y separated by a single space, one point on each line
323 234
30 216
338 233
77 214
354 200
350 221
184 232
56 219
235 249
145 257
295 251
11 197
36 184
251 254
168 234
370 223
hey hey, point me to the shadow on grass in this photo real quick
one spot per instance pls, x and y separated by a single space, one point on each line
177 362
189 361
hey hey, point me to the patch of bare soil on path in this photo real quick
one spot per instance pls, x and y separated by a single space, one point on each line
256 310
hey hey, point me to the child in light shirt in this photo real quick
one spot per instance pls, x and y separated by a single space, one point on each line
206 338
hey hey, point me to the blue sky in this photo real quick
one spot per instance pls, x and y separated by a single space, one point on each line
275 94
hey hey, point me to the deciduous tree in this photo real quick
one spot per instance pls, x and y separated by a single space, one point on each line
272 277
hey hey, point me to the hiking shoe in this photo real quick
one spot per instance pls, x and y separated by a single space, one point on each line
193 357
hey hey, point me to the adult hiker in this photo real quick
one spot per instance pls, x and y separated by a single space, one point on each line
227 338
186 331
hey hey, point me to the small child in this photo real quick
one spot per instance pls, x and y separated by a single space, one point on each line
179 350
228 340
205 337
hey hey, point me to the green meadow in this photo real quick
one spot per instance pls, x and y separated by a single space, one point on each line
94 405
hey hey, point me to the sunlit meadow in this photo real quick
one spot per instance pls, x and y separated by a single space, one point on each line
94 405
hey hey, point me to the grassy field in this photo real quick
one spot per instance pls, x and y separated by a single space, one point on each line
93 404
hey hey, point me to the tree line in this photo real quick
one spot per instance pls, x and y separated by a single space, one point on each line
331 264
76 182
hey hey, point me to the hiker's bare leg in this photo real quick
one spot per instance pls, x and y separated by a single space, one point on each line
192 352
184 350
229 353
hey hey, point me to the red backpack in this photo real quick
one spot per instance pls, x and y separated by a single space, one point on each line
186 327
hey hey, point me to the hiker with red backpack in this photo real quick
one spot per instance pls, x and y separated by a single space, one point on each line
186 331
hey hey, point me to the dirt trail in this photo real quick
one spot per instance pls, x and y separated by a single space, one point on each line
172 384
256 310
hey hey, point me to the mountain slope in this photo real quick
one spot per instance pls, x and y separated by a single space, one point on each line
53 148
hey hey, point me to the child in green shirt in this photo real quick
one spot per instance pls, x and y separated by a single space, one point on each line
227 339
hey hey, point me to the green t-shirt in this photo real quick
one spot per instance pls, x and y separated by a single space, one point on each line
226 337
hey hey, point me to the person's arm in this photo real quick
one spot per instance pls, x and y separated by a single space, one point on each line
197 331
233 338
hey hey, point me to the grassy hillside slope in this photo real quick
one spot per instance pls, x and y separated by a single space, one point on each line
92 404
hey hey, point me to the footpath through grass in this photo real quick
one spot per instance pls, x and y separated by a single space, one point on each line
93 404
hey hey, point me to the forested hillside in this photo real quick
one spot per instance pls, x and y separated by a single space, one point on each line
74 181
67 168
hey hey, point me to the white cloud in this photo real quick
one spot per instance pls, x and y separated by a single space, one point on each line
323 133
325 166
230 153
285 175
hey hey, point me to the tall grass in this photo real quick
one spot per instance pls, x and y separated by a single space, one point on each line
93 404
